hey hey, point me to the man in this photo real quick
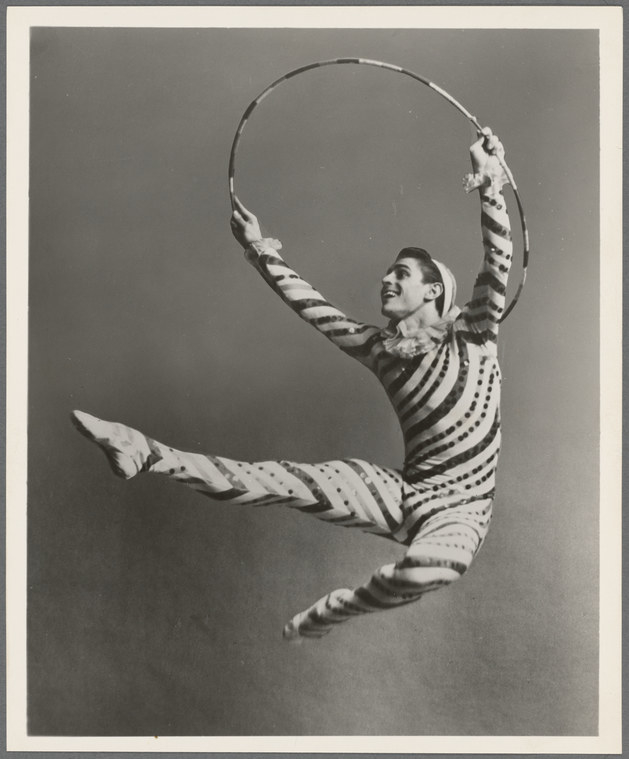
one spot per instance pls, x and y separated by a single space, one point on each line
439 367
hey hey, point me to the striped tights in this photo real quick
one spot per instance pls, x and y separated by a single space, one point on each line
349 493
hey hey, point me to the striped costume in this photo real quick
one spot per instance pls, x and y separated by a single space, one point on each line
447 401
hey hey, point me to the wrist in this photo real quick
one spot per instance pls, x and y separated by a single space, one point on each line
247 243
490 183
256 247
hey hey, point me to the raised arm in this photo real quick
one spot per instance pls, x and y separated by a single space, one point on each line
353 337
487 305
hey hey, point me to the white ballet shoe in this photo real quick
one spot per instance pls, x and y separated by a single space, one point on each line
291 634
127 450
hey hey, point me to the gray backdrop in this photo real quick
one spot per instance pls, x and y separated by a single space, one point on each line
155 611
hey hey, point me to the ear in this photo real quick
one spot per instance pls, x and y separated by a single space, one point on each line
434 291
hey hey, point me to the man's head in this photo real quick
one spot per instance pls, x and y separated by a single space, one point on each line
417 284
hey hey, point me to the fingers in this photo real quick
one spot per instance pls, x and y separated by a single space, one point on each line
492 143
482 135
477 151
239 220
247 215
477 148
488 142
236 224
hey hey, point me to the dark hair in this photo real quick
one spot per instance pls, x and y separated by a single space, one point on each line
430 272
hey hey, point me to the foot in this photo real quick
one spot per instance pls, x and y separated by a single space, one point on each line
291 633
127 450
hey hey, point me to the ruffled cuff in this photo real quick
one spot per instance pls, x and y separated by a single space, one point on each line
258 247
491 181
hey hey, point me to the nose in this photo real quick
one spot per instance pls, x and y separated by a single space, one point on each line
387 279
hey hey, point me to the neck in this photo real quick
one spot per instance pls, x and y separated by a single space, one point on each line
425 316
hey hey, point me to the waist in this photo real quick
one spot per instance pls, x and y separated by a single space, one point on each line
470 469
454 448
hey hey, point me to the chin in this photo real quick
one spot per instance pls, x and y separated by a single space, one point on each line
389 312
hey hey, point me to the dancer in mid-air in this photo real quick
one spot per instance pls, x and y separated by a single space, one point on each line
439 367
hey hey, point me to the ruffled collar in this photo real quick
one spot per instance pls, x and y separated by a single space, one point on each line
405 341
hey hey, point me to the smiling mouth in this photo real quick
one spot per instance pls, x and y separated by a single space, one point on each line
388 294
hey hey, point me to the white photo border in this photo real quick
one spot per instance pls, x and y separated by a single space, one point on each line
608 20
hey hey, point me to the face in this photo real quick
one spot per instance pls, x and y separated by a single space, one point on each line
404 291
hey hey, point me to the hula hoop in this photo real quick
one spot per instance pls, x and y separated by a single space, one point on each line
418 78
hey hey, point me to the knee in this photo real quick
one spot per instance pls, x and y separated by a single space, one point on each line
448 567
415 575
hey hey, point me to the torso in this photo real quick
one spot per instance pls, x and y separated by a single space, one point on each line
448 403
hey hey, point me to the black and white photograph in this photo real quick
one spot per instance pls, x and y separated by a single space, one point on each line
312 428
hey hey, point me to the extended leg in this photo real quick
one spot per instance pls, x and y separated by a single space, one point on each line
351 493
439 554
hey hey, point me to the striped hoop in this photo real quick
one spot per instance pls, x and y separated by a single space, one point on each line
412 75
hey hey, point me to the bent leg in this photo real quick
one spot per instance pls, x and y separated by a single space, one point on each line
439 554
